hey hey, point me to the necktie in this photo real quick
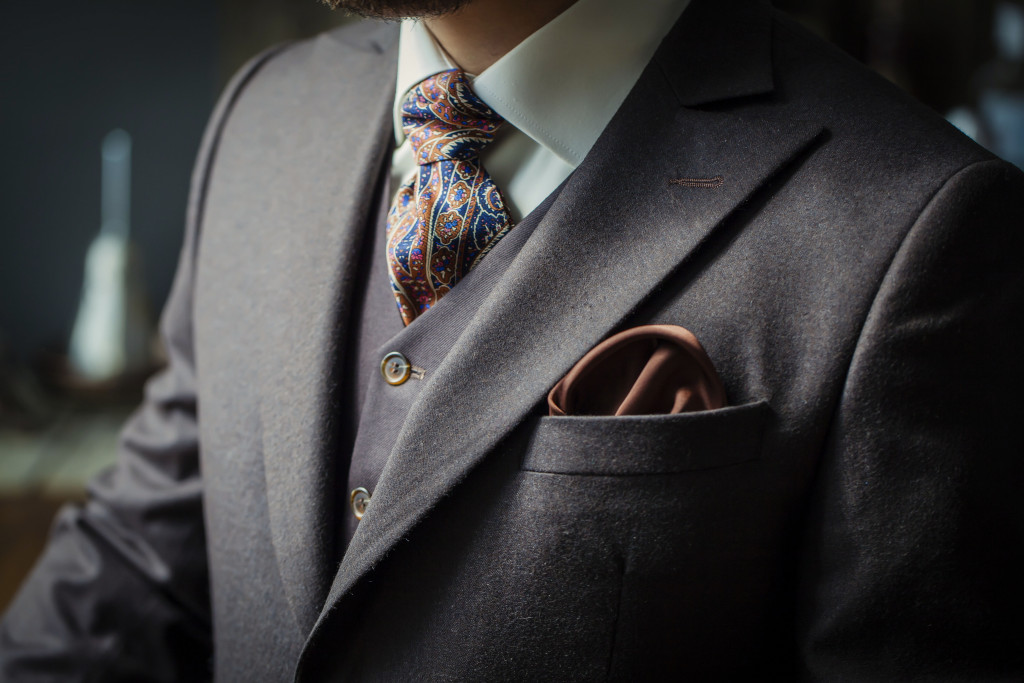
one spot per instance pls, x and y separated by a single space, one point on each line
451 213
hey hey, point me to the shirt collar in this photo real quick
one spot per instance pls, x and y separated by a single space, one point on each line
419 57
562 85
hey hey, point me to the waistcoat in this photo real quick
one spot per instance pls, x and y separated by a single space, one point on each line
374 409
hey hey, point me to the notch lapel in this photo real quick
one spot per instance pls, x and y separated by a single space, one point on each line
313 239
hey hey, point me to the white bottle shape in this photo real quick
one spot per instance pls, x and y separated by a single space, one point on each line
111 332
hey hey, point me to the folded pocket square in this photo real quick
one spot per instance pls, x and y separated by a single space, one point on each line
647 370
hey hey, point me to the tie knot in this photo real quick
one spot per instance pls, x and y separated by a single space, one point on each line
444 119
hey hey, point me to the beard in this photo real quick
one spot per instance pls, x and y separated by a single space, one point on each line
397 9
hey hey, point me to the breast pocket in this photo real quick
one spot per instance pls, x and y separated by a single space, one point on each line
647 444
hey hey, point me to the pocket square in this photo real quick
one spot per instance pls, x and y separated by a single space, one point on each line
647 370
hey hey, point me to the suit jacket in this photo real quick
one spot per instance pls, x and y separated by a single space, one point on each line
851 266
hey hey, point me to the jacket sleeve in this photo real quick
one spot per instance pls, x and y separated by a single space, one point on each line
916 551
121 591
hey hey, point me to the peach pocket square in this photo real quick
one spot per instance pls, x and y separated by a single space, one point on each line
647 370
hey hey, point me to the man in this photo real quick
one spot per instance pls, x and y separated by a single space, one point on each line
390 488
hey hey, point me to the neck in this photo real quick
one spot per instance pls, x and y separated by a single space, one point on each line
478 34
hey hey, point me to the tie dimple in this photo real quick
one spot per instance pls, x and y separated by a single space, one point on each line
451 213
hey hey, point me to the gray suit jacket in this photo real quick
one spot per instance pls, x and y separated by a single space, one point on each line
855 277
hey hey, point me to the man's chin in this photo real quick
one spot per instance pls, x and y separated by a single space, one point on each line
396 9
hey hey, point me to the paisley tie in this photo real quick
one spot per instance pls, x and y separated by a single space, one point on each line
451 213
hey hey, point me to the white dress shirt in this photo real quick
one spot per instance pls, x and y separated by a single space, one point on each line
556 90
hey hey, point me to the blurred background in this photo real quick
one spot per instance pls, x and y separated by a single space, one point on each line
103 106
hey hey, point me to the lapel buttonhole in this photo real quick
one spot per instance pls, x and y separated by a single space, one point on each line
713 182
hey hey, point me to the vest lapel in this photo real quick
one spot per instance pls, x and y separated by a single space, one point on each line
313 238
618 229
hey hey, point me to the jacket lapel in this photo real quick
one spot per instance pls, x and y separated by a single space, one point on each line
618 229
312 249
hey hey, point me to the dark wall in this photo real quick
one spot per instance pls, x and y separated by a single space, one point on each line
931 48
70 72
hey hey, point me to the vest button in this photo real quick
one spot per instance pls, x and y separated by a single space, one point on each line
360 500
395 368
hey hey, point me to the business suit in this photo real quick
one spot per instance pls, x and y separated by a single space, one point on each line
853 275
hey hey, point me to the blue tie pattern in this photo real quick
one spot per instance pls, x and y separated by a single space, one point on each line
451 213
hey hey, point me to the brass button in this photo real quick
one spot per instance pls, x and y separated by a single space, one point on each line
360 500
396 368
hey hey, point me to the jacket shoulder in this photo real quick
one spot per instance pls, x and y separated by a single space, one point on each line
339 55
366 35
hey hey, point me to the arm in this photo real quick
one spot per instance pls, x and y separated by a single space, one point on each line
916 550
121 591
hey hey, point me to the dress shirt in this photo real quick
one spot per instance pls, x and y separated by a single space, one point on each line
557 90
